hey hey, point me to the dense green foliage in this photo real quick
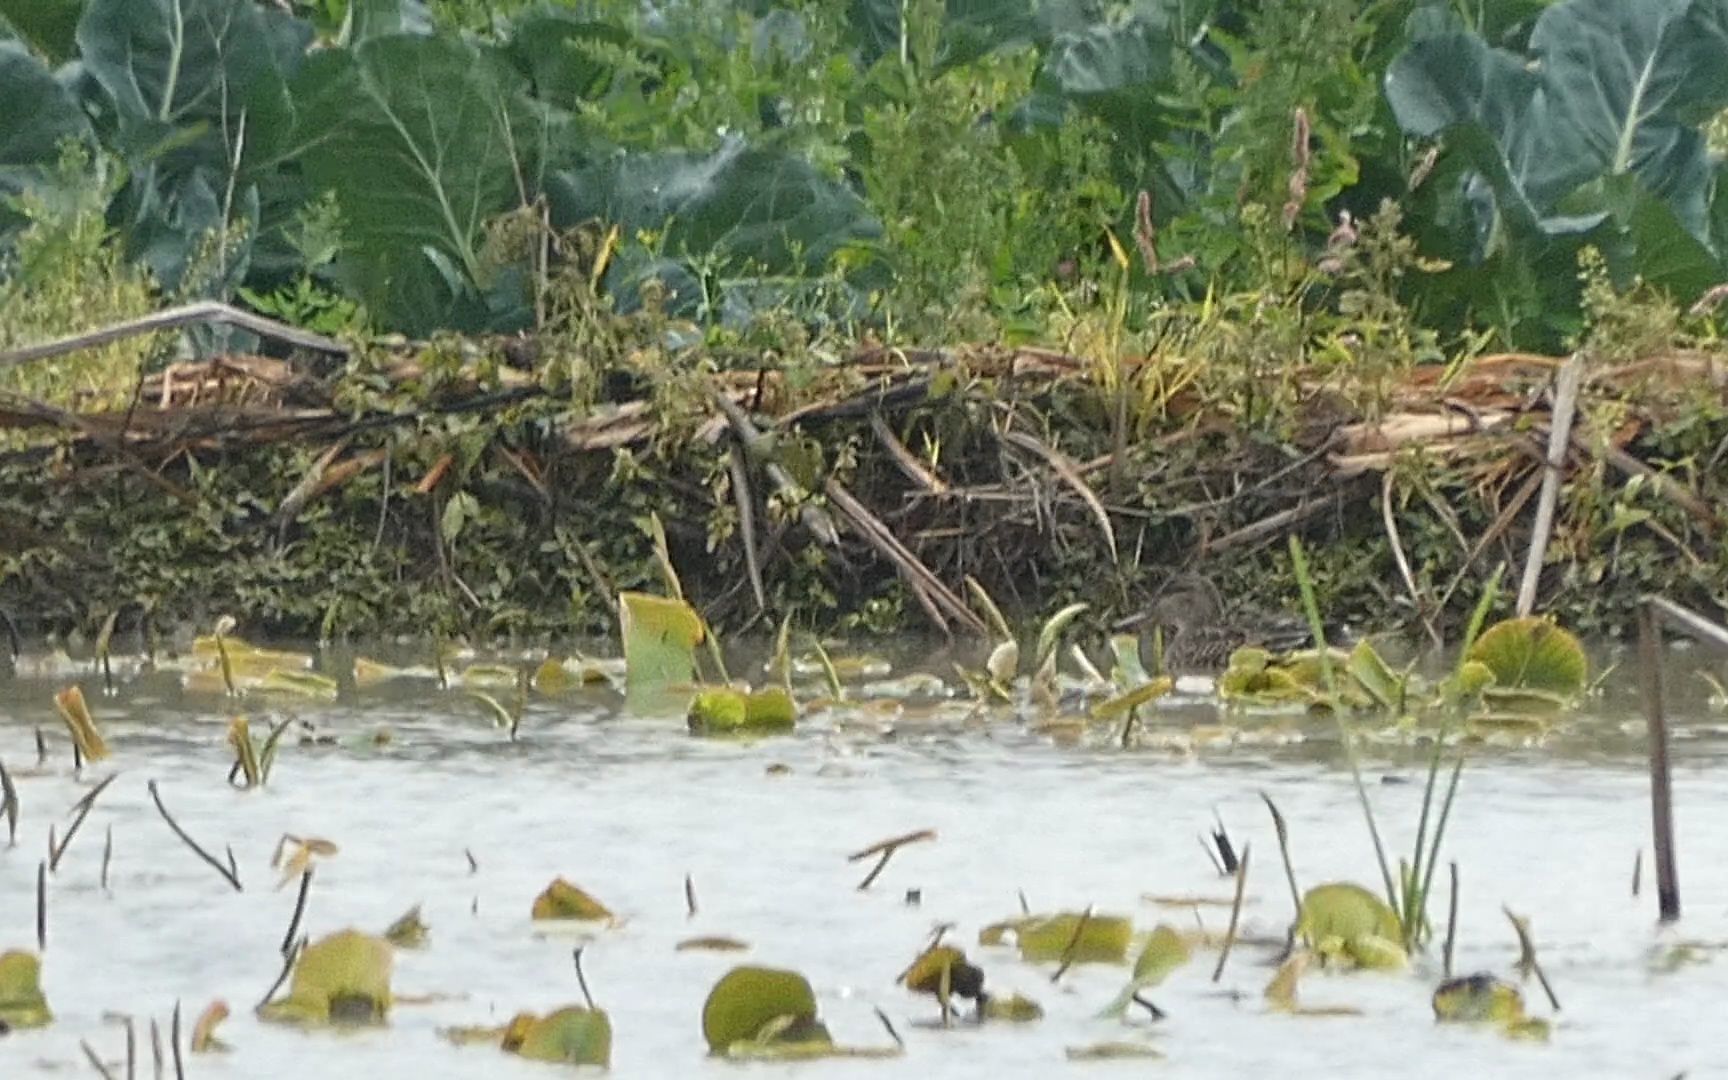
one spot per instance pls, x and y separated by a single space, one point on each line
906 164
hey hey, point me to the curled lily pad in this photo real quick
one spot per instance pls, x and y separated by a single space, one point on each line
724 710
562 900
21 1002
76 713
943 970
758 1005
1535 656
341 979
573 1035
1344 921
1482 998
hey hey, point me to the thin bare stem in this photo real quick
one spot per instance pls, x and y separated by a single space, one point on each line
228 873
299 910
1661 775
1451 923
1235 913
1073 945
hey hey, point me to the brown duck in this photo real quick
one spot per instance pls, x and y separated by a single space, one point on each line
1199 635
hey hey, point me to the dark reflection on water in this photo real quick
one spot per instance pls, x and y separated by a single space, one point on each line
627 806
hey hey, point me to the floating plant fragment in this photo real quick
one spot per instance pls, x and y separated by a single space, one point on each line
76 713
711 943
409 931
203 1039
562 900
341 979
1112 1051
21 1002
1482 998
300 684
753 1007
1344 921
573 1035
1165 951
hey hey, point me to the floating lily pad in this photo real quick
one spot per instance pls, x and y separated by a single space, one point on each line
1253 679
21 1002
1344 921
761 1005
573 1035
301 684
1535 656
562 900
341 979
723 710
1103 939
1012 1008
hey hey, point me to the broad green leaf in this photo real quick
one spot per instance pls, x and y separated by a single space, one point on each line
48 27
1371 672
660 639
573 1035
562 900
423 140
21 1002
735 207
1347 922
342 979
368 19
39 114
1535 655
748 1000
570 60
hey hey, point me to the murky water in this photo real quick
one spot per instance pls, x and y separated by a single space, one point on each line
627 806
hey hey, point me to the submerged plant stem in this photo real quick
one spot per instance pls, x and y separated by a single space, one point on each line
1235 913
228 873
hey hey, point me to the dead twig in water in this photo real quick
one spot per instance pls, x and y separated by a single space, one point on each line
1283 832
82 809
107 856
174 1042
581 979
1451 923
95 1061
281 977
1566 387
299 910
9 805
886 849
42 907
228 872
888 1025
1637 873
1235 913
689 897
1661 775
1527 962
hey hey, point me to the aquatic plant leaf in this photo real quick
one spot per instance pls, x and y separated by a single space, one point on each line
1050 634
409 931
1133 699
711 943
1343 920
1004 663
1533 654
203 1039
747 1000
1165 951
1484 999
562 900
21 1002
246 657
725 710
1129 670
1280 993
1112 1051
493 675
660 639
1371 672
300 684
76 713
1013 1009
1251 678
1104 939
573 1035
341 979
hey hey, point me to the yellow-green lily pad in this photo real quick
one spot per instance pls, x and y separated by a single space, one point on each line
758 1005
660 639
1533 654
562 900
726 710
341 979
1344 921
1103 939
22 1004
1485 999
573 1035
